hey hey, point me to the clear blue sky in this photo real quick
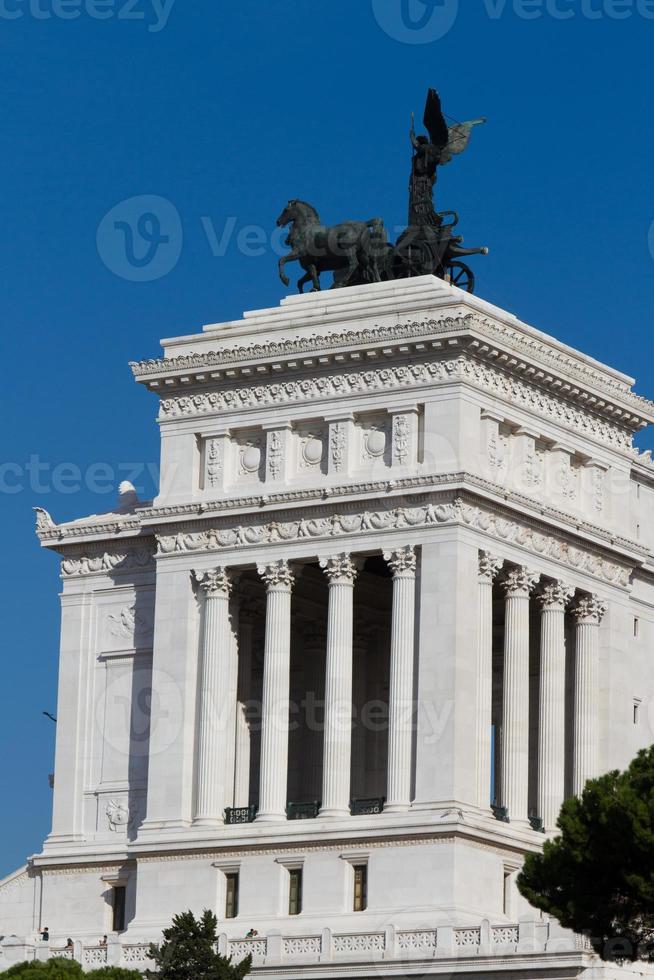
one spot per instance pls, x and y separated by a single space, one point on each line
227 109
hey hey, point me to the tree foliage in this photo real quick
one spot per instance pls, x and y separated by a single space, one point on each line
189 952
597 877
61 968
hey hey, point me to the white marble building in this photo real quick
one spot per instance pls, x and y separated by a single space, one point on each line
394 602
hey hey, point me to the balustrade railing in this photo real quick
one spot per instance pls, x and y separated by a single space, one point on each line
391 943
241 814
303 811
364 808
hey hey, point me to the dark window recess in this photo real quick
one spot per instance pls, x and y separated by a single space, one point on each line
295 891
231 896
118 905
360 887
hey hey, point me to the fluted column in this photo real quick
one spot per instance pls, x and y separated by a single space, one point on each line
341 572
401 704
211 794
489 567
515 724
551 736
243 738
588 613
276 684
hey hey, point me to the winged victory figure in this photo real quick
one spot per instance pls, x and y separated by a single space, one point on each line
444 143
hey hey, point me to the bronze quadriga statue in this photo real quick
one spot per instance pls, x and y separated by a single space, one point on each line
359 252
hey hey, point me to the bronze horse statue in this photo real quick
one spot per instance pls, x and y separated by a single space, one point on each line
349 250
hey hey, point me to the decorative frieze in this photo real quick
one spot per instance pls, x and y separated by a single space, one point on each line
398 376
394 519
106 562
530 347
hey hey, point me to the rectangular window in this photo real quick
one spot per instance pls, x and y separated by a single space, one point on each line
636 627
636 712
360 887
118 906
295 891
231 895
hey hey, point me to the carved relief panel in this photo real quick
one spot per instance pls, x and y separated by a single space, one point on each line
311 449
374 441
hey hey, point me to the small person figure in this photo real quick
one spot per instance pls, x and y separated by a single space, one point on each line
69 943
103 941
251 934
45 935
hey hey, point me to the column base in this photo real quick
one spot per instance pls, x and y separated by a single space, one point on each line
270 818
211 822
334 813
396 807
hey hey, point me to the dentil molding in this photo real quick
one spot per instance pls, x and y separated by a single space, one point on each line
463 368
504 336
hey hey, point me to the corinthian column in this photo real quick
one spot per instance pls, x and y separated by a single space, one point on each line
400 706
211 795
515 726
588 614
276 682
489 567
551 740
341 572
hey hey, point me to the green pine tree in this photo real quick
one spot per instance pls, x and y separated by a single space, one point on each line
597 877
189 952
61 968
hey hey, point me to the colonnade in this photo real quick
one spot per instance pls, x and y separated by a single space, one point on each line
223 671
223 740
519 584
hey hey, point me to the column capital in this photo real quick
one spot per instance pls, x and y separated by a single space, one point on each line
555 596
402 562
277 576
520 581
489 566
340 569
589 609
214 583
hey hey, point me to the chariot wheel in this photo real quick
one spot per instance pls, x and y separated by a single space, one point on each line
462 276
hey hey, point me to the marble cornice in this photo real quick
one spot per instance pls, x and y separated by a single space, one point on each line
91 539
602 423
531 358
504 515
453 507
